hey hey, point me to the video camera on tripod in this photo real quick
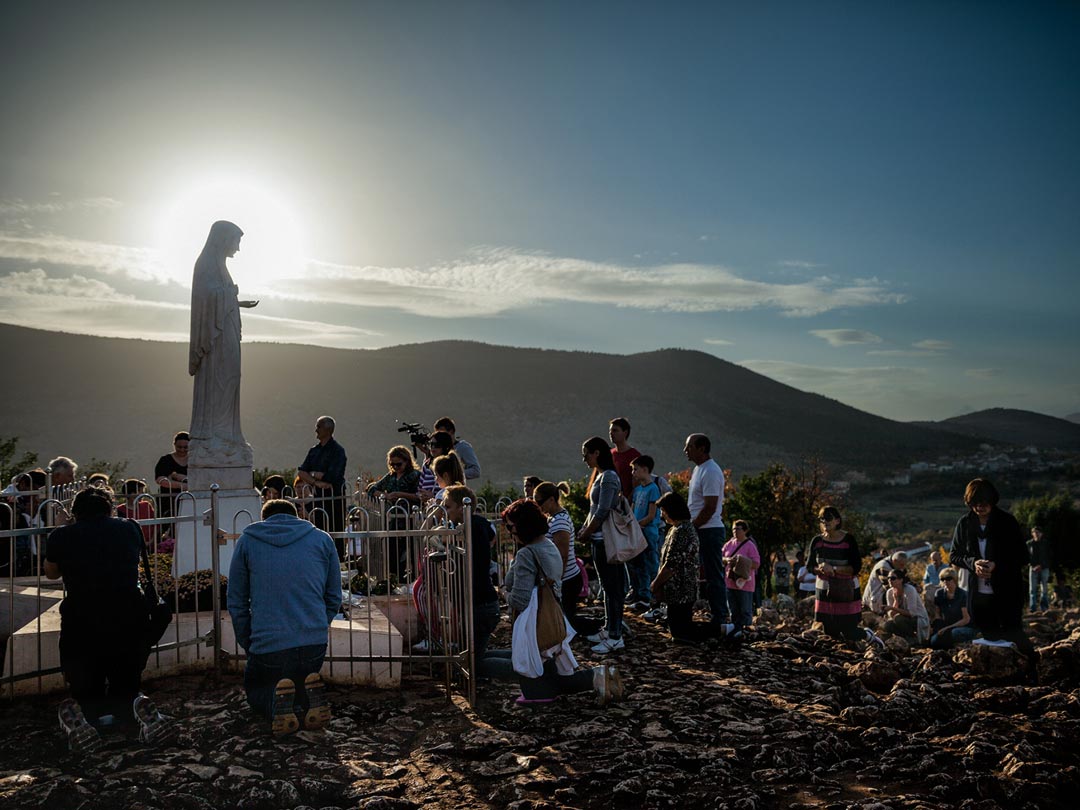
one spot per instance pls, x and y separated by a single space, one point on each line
417 435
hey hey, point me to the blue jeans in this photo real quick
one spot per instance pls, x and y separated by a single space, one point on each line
1035 580
613 578
742 607
944 639
264 670
712 560
643 569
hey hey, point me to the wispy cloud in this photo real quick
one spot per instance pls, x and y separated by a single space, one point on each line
719 342
82 305
488 282
921 348
491 281
845 337
983 373
20 207
135 262
933 345
798 264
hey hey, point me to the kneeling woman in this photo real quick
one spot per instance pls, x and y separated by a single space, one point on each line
103 621
537 563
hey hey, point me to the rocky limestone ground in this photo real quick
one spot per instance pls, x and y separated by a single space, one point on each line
792 720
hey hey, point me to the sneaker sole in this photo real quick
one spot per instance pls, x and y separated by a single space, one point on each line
154 727
318 713
82 738
284 719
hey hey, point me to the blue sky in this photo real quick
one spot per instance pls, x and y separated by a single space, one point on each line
874 201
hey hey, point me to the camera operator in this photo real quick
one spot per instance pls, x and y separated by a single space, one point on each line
463 448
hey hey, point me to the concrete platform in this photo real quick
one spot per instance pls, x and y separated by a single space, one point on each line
367 635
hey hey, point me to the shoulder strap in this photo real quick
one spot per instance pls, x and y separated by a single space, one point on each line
150 590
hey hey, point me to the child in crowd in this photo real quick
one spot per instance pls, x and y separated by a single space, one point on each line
644 567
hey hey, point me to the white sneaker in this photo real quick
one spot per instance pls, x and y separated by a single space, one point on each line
597 637
421 646
655 614
608 645
874 639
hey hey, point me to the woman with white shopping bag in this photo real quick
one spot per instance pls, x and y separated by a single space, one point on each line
605 489
540 654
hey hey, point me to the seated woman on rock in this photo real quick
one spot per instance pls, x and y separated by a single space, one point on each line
905 613
953 624
538 563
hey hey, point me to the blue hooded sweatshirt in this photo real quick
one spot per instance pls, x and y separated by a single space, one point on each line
284 585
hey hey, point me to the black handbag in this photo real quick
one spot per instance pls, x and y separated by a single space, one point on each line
159 613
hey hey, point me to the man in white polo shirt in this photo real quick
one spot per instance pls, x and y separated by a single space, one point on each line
706 503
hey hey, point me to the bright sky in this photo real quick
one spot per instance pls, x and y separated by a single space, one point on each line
879 202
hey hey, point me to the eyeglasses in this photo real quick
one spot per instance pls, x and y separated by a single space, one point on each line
397 465
947 579
892 577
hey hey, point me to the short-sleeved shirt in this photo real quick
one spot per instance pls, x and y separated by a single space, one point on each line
707 480
330 460
951 609
747 549
167 465
623 466
561 522
643 497
98 558
681 554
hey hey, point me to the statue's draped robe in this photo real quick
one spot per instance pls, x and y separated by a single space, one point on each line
214 361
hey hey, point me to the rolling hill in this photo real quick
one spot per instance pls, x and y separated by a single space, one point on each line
525 410
1016 427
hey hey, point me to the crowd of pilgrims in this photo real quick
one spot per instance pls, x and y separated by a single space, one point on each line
695 578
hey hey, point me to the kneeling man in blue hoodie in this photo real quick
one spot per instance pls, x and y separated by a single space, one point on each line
284 590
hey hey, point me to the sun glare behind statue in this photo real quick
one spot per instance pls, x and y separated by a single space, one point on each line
272 247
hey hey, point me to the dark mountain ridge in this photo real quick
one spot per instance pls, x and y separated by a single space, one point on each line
525 410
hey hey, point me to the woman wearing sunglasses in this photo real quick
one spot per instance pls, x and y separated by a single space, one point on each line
953 625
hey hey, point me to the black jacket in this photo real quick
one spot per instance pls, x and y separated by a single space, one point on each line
1005 547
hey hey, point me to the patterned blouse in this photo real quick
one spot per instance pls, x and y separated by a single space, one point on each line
389 483
680 554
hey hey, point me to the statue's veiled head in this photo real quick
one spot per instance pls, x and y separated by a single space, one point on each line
224 239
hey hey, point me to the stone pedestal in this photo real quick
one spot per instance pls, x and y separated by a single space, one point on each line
237 508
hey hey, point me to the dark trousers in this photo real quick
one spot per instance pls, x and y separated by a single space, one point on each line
712 560
264 670
1000 619
681 624
613 578
485 620
497 664
571 588
102 656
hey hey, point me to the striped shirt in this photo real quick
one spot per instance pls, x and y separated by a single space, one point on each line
561 522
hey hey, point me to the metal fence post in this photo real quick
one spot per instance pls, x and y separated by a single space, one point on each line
215 574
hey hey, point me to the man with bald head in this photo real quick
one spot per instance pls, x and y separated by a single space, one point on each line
324 471
706 502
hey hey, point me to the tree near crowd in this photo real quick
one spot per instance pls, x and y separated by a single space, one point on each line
1059 518
781 505
11 462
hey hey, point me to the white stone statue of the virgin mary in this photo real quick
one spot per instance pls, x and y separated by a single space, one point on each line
214 361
